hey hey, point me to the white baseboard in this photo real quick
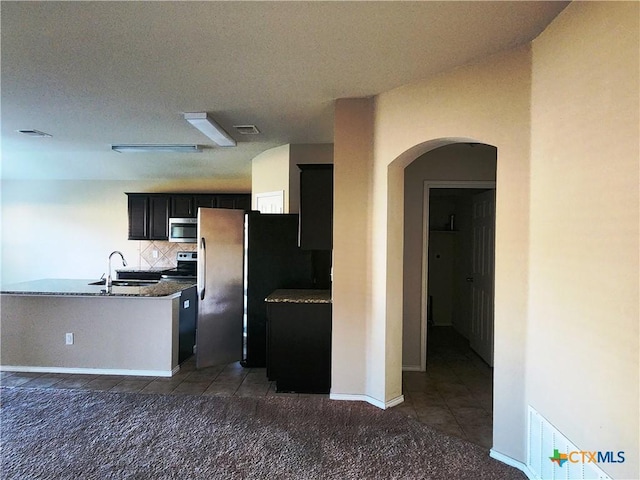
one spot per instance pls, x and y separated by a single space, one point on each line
512 463
91 371
366 398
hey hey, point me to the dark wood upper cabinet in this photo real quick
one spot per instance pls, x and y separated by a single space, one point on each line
316 206
158 217
138 206
204 201
226 201
148 216
182 206
242 202
149 213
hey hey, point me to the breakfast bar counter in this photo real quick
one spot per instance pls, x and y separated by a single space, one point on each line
294 295
84 287
70 326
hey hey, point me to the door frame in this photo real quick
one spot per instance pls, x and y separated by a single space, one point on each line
428 185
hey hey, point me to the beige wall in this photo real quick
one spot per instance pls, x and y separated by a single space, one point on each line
582 337
351 247
451 163
487 102
270 173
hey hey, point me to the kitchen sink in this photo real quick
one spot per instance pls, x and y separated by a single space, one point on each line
127 283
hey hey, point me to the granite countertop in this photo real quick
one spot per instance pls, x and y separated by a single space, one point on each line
82 287
299 296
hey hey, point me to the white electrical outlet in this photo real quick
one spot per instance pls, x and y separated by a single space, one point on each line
186 304
68 337
154 253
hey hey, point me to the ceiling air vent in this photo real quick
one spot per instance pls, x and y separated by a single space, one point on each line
35 133
247 129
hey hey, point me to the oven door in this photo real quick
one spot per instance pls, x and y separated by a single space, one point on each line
183 230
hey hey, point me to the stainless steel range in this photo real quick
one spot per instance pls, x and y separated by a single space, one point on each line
186 269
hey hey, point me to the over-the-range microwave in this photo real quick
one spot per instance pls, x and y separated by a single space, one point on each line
183 230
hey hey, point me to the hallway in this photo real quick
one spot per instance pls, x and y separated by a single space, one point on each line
455 394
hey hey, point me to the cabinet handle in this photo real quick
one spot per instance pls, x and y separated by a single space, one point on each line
202 261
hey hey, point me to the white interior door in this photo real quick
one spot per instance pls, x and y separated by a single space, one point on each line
482 276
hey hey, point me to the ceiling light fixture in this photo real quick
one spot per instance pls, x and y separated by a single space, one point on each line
35 133
210 128
156 148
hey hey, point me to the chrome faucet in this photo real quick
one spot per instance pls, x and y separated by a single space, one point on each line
109 282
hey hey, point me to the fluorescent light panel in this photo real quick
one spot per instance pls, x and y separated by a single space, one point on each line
156 148
35 133
210 128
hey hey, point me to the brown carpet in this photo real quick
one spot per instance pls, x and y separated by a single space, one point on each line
72 434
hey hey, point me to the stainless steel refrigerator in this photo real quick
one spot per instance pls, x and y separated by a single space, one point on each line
220 286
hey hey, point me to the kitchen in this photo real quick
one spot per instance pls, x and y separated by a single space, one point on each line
311 272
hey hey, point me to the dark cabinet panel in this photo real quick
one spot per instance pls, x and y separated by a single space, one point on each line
299 346
243 202
158 217
226 201
138 206
148 216
182 206
316 206
138 275
187 323
204 201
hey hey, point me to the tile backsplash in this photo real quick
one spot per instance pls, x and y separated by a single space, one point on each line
161 254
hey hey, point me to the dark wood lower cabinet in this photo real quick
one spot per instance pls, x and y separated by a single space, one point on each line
299 346
187 323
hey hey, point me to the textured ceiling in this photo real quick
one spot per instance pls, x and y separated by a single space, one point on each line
97 73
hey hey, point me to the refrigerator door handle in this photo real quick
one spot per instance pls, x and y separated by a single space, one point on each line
203 268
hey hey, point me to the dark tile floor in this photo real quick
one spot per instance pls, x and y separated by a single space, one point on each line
454 395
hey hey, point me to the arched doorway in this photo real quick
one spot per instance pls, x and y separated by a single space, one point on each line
454 392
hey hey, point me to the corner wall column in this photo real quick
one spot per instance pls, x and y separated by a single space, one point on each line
353 157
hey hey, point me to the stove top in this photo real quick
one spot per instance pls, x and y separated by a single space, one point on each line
186 269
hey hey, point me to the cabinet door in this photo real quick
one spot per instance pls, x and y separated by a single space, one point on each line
316 206
299 347
138 207
242 202
226 201
204 201
182 206
158 217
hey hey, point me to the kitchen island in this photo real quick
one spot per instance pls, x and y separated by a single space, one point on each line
299 340
74 326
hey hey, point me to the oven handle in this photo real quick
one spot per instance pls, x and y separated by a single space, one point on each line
202 258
